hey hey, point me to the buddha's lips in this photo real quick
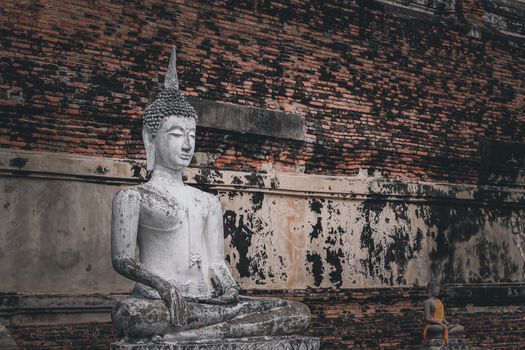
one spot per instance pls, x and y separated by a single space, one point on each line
185 156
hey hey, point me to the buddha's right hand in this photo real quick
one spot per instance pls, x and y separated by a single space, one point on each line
177 305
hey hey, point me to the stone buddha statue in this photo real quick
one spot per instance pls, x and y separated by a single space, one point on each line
437 330
184 290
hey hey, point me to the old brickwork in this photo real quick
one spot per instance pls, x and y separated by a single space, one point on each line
358 319
412 98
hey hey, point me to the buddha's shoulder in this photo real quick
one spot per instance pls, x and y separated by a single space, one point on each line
431 300
200 195
128 194
142 192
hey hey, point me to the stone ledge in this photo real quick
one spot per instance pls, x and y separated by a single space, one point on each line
65 166
258 343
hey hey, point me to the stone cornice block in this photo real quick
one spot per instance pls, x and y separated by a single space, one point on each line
506 17
422 9
250 120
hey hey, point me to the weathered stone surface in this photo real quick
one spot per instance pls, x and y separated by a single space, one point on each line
439 344
503 163
6 341
258 343
249 120
453 221
506 17
457 344
420 8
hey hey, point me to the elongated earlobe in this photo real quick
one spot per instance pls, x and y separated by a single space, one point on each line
150 148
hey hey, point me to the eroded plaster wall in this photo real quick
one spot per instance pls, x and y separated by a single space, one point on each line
293 242
55 237
282 231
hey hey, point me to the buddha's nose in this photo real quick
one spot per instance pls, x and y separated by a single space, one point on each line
186 145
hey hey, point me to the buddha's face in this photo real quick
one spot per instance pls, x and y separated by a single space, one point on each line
175 142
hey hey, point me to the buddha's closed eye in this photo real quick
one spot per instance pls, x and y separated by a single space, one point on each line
190 134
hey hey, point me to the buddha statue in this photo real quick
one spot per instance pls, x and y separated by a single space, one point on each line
437 329
184 290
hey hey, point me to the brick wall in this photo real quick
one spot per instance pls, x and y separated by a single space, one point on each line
344 319
408 97
411 98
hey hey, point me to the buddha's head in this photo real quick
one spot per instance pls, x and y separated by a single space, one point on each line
433 288
169 126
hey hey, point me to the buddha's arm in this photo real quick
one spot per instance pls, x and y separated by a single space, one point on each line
124 226
428 314
220 274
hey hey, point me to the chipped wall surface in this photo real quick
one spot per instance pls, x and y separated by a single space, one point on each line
55 237
282 231
293 242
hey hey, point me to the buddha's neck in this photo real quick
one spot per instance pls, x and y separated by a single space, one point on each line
166 177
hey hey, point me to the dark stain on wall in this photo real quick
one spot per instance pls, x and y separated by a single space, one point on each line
136 171
316 268
331 209
257 199
18 162
242 227
203 176
101 170
316 205
400 251
370 211
241 240
452 231
237 181
335 258
317 229
255 179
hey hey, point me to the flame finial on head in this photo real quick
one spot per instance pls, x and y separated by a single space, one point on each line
171 81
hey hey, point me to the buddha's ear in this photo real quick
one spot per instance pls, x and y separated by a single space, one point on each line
147 136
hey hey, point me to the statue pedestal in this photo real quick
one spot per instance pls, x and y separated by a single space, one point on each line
439 344
255 343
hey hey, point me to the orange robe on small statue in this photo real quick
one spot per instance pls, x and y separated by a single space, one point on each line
438 315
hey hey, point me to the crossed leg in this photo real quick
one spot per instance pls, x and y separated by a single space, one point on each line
143 318
456 331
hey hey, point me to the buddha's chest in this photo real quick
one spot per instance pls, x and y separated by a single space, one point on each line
172 213
171 232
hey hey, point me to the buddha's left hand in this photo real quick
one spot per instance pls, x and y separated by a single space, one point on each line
231 295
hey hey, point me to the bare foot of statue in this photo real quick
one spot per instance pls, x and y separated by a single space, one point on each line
184 288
